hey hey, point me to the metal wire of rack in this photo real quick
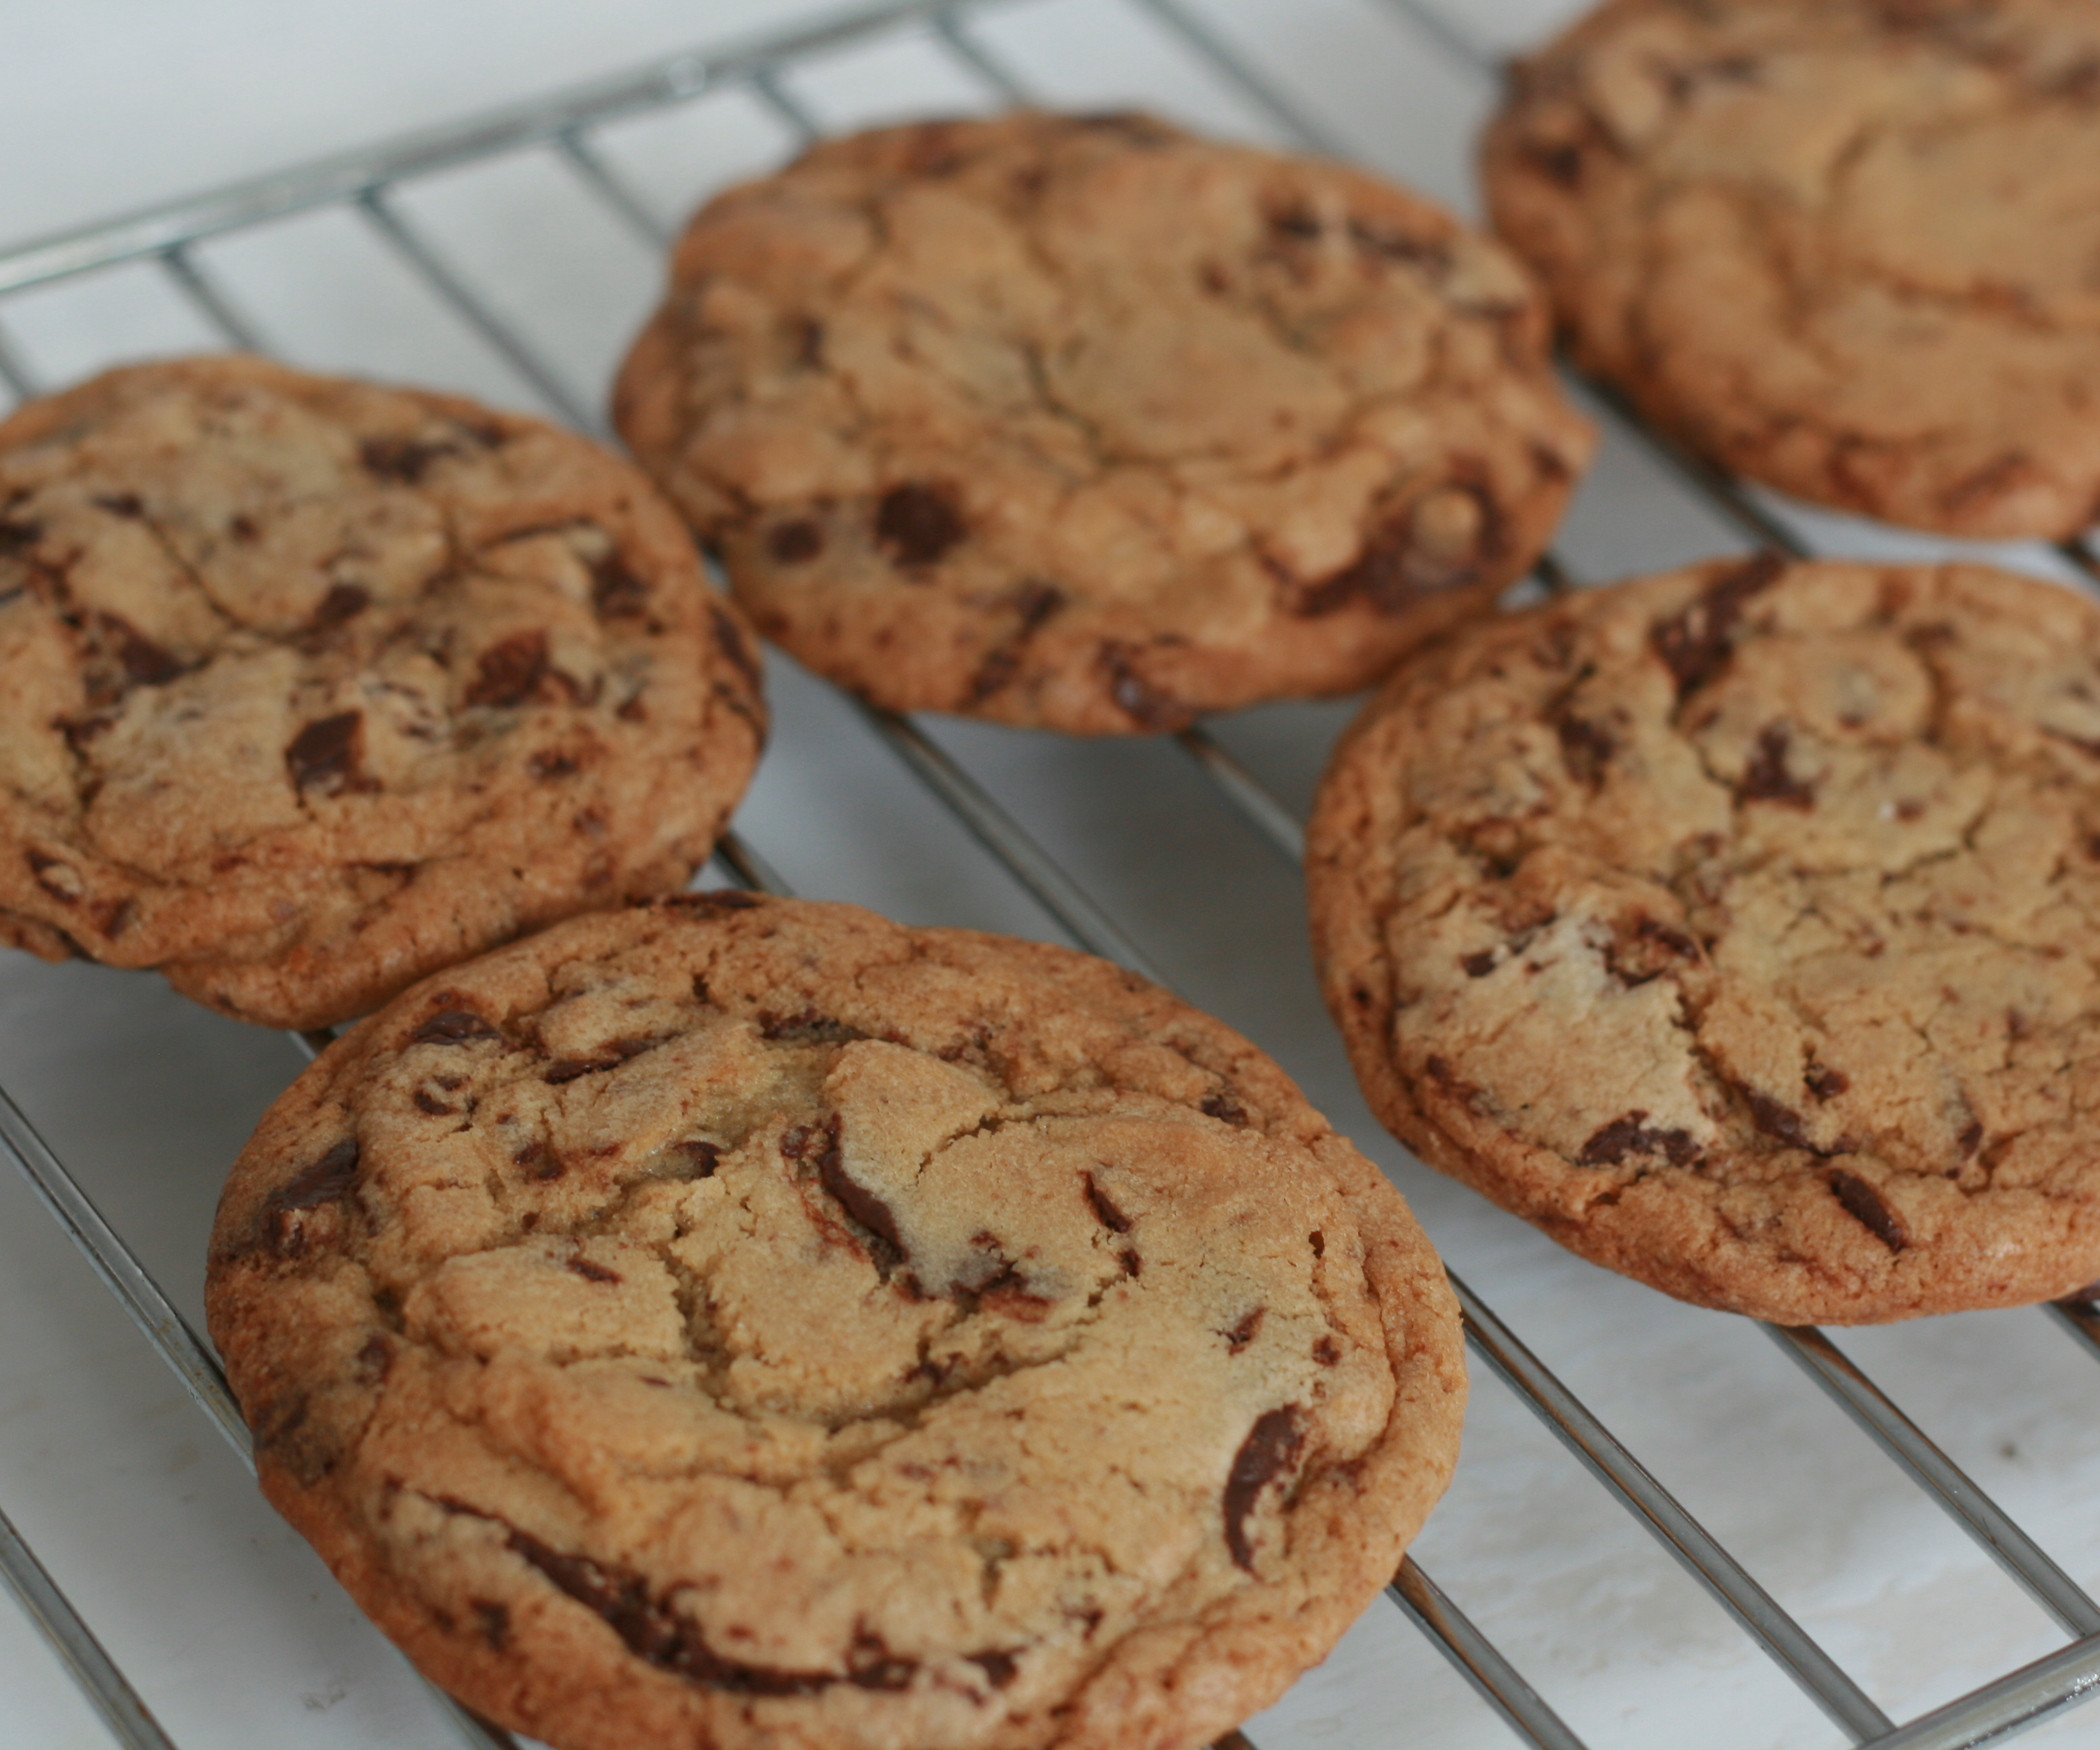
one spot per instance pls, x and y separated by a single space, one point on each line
569 124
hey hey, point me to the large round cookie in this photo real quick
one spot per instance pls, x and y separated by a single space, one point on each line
1846 247
1085 423
314 687
1740 927
733 1322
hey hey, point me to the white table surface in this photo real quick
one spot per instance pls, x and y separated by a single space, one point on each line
230 1628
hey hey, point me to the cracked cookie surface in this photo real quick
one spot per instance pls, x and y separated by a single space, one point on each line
1085 423
316 686
1847 247
1736 927
741 1322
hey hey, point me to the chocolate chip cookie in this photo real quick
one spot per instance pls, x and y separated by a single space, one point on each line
316 686
743 1322
1082 422
1740 926
1850 248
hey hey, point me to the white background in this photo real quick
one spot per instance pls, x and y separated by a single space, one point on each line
232 1631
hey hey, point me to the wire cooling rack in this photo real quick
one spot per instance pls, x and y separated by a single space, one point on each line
496 299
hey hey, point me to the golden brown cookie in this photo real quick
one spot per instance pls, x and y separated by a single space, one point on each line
738 1323
1085 423
1850 248
1739 927
316 686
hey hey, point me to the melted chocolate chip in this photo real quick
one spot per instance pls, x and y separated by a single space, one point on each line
1225 1108
1826 1083
1295 221
454 1027
145 663
327 1180
537 1159
127 505
863 1205
1766 778
1777 1120
1478 965
1035 602
1585 749
18 536
1327 1352
1103 1206
735 646
1146 704
998 1668
1866 1206
1270 1448
1244 1332
808 1028
701 1158
795 542
616 592
403 461
510 671
592 1272
1318 1241
495 1622
1696 643
1611 1143
917 524
325 756
426 1101
343 603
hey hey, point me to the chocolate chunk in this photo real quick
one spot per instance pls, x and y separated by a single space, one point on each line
616 592
859 1202
1035 602
1559 161
327 1180
795 542
342 603
1244 1332
510 671
537 1159
1777 1120
701 1158
18 536
145 663
1825 1083
1478 965
57 877
325 756
999 1668
1103 1206
375 1358
1647 951
1867 1207
1270 1448
917 524
426 1101
1327 1352
1225 1108
454 1027
1295 221
1318 1241
807 1028
1766 778
1696 643
1610 1144
730 636
1144 703
592 1272
403 461
495 1622
1585 749
127 505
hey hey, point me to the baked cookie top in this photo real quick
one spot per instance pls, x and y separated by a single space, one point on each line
316 686
1846 247
1083 422
743 1322
1739 926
